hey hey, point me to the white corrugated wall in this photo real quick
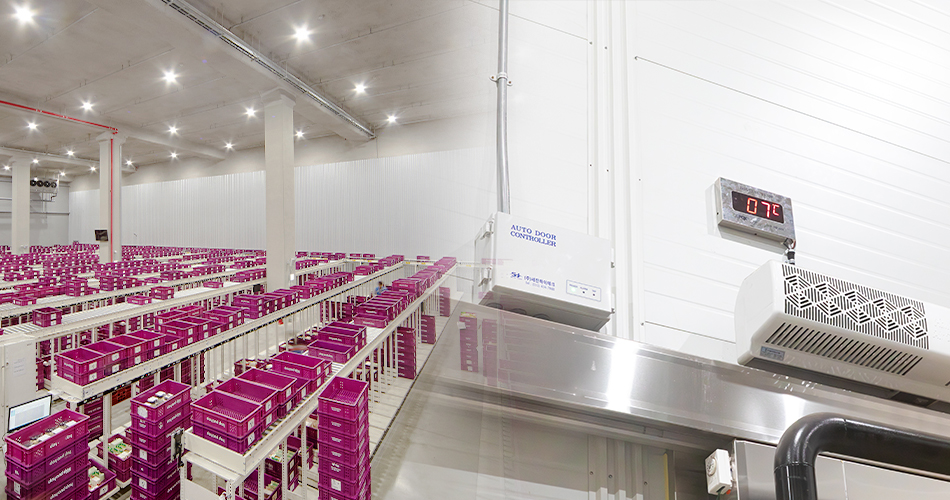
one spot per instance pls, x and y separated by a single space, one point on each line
429 204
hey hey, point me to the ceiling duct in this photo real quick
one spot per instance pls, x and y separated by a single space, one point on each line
225 35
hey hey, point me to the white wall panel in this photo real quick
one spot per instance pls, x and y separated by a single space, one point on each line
840 105
83 215
50 228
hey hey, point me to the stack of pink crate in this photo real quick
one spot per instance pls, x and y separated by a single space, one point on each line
48 459
227 420
343 436
47 316
468 344
406 352
428 329
310 372
154 470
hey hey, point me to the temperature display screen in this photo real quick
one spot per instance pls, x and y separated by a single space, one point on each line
758 207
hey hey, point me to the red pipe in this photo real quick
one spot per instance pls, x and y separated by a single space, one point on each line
77 120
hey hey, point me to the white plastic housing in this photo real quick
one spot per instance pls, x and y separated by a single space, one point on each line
561 275
718 473
788 315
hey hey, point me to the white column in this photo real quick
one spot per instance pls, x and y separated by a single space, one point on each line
279 171
110 195
20 226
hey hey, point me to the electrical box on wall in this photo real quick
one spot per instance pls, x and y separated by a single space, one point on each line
543 271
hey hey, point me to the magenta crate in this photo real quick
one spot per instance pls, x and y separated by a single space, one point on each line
344 426
133 345
213 284
350 489
172 343
155 488
344 398
52 482
326 494
153 473
107 485
52 463
347 457
47 316
348 326
153 458
157 427
139 300
282 384
235 444
258 393
302 385
351 442
112 352
345 337
227 414
192 310
153 339
178 328
161 319
343 471
181 395
18 442
79 361
374 320
331 351
160 442
299 364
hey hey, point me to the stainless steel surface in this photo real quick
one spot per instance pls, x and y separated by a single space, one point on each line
741 221
621 383
501 81
837 479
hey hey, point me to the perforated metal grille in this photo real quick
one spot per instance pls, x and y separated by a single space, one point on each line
854 307
843 349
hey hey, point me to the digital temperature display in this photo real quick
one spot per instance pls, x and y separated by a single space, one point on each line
758 207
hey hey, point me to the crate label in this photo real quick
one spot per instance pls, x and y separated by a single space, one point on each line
142 483
92 366
103 490
250 424
115 357
143 455
142 412
250 438
336 484
267 406
93 376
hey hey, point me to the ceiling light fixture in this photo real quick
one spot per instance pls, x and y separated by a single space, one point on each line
86 106
392 119
62 173
6 167
250 112
23 14
69 152
174 155
92 169
360 88
173 130
128 162
300 134
302 34
36 160
31 125
170 76
228 145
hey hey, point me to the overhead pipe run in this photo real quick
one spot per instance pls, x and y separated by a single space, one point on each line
801 443
502 83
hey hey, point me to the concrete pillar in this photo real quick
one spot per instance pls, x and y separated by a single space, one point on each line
279 177
20 218
110 195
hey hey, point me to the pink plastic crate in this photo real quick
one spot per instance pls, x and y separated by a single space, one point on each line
282 384
155 488
331 351
213 284
153 473
160 442
181 395
227 414
153 339
342 471
260 394
172 343
139 299
153 458
157 427
350 442
47 316
344 398
165 317
133 345
18 446
39 470
236 444
107 485
349 489
326 494
343 426
113 353
79 361
52 482
347 457
304 366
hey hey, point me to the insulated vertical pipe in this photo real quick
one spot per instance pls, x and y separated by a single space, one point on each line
501 80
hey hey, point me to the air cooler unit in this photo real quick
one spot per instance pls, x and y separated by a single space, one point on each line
787 316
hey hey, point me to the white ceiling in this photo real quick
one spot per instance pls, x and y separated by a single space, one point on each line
419 60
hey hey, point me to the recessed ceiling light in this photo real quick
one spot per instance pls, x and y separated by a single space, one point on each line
31 125
300 134
228 145
6 167
392 119
173 130
86 106
69 152
170 76
62 173
92 169
174 155
23 14
250 112
128 162
302 34
360 88
36 160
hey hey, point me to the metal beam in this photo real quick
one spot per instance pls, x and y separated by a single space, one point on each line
171 142
70 160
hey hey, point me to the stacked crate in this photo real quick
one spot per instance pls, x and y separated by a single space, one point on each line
53 468
445 303
490 349
227 420
468 344
154 469
428 329
343 436
93 410
406 352
120 457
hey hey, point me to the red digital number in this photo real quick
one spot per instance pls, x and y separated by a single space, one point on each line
752 206
768 208
775 211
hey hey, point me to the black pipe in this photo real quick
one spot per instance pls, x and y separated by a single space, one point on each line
820 432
